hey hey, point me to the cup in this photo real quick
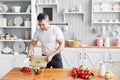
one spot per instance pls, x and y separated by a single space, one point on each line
27 23
117 42
99 41
79 9
65 10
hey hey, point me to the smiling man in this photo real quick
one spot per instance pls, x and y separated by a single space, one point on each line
52 41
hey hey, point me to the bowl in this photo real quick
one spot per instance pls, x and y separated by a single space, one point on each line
73 43
7 50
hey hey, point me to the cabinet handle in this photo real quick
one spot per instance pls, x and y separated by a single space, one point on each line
84 55
110 56
80 55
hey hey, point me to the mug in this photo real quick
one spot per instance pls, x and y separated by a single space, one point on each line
117 42
99 42
27 23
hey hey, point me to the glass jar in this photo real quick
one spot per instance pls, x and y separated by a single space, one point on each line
10 23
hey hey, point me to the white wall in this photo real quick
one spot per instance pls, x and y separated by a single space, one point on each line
82 30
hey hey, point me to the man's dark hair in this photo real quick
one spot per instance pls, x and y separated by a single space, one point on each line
42 16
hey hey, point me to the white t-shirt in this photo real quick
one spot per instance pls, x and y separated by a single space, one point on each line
48 39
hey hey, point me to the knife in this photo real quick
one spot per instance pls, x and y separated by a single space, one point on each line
26 60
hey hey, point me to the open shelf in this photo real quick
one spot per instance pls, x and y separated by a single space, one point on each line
105 22
14 27
112 11
14 13
72 13
15 40
110 1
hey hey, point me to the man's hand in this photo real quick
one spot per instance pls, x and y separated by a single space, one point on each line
49 58
28 56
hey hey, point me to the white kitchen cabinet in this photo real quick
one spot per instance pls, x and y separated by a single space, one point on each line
92 56
71 57
113 61
74 57
6 64
19 61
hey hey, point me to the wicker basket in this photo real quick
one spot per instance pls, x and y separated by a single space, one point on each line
73 43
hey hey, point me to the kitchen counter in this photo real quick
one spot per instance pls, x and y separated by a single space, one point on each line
48 74
113 47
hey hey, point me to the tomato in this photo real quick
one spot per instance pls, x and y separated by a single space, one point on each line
79 72
83 76
82 72
74 72
86 76
88 72
85 72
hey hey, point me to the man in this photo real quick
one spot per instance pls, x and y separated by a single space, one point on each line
52 41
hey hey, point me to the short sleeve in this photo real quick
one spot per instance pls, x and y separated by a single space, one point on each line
59 34
35 37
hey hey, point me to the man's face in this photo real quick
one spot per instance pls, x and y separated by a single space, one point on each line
44 25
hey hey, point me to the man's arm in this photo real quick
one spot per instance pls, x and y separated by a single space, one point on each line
31 47
58 50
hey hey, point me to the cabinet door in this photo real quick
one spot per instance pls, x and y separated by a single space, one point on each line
71 57
6 64
114 58
93 56
19 61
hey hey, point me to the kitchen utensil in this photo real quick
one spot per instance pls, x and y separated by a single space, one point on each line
101 69
99 41
7 50
107 41
19 46
18 20
38 61
117 42
116 7
16 9
65 28
73 43
26 60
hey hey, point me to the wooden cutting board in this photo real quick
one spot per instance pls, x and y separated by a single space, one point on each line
38 61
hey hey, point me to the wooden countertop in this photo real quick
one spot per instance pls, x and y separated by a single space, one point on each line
110 47
48 74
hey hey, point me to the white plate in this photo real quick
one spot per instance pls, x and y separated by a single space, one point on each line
96 7
116 7
19 46
106 6
18 20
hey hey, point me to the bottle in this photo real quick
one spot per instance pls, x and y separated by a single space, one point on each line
107 42
101 69
7 36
